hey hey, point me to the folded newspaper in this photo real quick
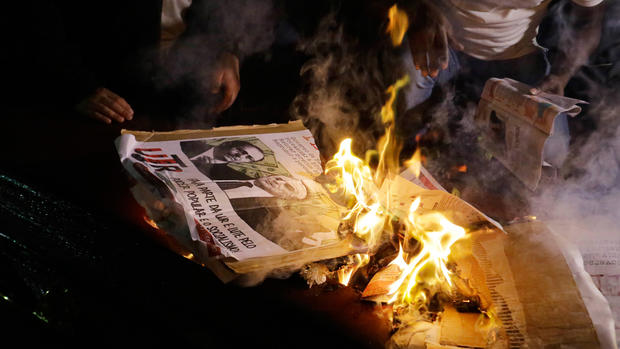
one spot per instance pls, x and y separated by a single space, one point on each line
517 127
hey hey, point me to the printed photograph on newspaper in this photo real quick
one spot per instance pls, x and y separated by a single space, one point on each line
234 195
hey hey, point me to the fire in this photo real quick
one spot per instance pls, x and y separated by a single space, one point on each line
372 221
397 26
429 266
419 270
150 222
345 273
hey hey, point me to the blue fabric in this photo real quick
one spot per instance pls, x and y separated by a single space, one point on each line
529 69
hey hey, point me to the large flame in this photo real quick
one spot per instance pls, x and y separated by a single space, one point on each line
371 220
420 269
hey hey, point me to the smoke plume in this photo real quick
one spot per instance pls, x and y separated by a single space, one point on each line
241 27
345 81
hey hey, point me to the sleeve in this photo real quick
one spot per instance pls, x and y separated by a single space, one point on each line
587 3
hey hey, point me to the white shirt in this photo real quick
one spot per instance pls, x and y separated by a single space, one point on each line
498 29
172 21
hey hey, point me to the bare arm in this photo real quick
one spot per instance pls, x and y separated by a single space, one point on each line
575 46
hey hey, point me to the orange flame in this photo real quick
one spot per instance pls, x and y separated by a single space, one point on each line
371 219
397 26
345 273
150 222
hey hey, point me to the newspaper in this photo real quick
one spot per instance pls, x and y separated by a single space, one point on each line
536 282
516 125
598 245
539 294
243 195
244 199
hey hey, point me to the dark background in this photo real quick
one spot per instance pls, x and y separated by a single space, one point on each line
77 263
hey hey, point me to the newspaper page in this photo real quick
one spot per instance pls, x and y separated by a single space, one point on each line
515 125
534 289
541 293
598 246
238 194
403 191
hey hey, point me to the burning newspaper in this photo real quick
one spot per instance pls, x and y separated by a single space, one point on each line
516 126
245 199
257 198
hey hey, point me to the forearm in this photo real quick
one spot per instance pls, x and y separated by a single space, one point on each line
579 41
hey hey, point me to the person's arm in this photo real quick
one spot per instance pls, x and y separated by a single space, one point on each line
574 47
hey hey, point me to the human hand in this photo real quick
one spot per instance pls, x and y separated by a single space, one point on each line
552 83
429 39
105 105
225 81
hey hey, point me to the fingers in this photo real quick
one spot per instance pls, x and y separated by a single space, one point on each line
438 54
551 84
103 108
105 105
101 117
226 82
430 50
217 82
230 90
417 43
117 104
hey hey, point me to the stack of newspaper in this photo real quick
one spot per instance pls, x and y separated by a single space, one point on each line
243 200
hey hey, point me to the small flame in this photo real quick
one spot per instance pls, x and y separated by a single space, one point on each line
150 222
462 168
415 163
345 273
397 26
